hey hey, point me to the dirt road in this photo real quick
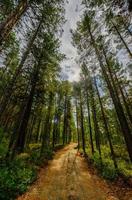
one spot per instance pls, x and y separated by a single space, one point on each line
67 177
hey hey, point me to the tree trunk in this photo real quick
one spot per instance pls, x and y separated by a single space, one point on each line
64 124
14 135
118 107
89 118
106 126
116 87
12 20
82 124
47 125
122 39
23 122
9 89
77 124
124 99
54 139
130 5
96 127
30 129
19 147
38 131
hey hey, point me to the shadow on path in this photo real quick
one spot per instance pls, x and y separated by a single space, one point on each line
67 178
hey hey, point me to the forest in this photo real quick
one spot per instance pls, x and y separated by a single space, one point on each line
42 112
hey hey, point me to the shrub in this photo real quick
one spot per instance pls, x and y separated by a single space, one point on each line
23 156
35 157
125 168
109 171
96 160
34 151
105 166
15 178
18 174
34 146
121 153
47 154
3 143
3 147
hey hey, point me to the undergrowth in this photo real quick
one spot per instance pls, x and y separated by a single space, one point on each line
16 176
106 166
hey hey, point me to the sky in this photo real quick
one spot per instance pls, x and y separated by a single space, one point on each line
69 66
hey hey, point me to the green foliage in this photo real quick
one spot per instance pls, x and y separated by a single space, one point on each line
1 17
47 154
109 171
3 143
3 147
35 157
125 168
23 156
34 146
38 158
121 152
96 160
1 133
7 6
105 166
15 178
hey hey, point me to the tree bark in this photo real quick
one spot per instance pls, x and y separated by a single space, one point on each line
118 107
12 20
96 127
19 146
124 99
64 124
9 89
106 126
122 39
82 124
77 124
47 125
89 116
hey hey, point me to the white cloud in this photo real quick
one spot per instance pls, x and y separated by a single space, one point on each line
69 67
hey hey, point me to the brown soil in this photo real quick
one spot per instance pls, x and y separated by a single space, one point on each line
69 177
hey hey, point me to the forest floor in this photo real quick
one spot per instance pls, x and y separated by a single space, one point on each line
69 177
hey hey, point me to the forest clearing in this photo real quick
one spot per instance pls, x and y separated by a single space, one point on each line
66 99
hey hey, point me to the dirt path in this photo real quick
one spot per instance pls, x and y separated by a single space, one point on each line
67 178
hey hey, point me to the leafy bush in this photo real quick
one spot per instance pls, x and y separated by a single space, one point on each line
3 143
105 150
35 157
105 165
121 153
15 178
125 168
18 174
106 168
3 147
47 153
96 160
109 171
34 146
34 151
23 156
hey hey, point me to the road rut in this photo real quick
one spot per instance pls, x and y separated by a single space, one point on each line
67 177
